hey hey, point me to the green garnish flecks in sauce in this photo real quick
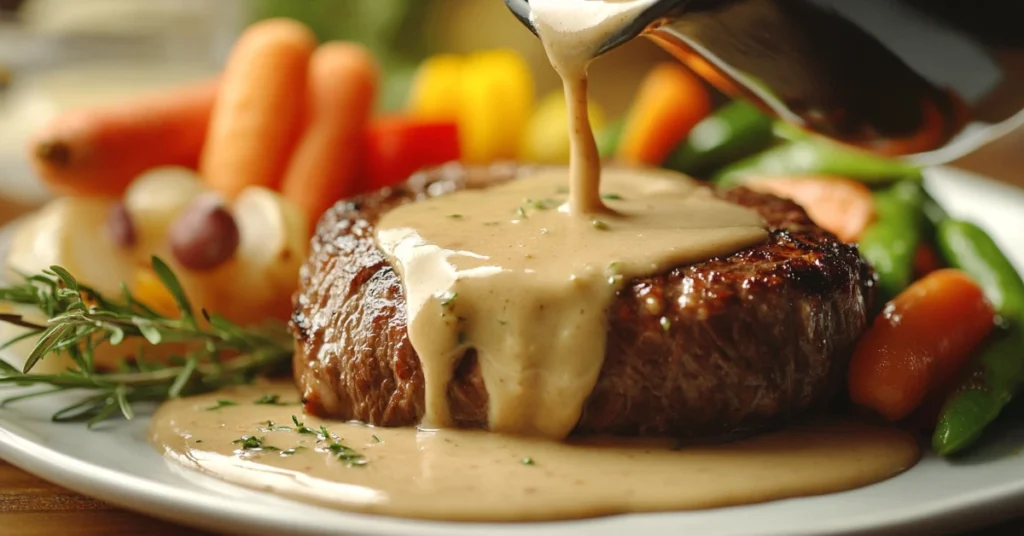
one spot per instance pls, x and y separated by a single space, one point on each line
302 428
248 442
271 400
221 404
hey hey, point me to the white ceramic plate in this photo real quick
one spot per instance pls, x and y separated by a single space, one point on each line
115 463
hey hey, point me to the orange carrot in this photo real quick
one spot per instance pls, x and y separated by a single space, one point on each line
671 101
841 206
99 151
919 343
326 163
260 110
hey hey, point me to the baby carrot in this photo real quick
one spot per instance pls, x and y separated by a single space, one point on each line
99 151
326 164
671 101
260 110
843 207
919 343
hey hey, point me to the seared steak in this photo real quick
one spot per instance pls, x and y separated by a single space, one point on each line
749 341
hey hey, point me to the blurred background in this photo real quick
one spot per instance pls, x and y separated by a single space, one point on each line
61 54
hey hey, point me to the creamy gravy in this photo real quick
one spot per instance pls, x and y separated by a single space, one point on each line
481 476
507 271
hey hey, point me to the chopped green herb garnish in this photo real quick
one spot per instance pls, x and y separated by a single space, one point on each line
600 225
221 404
377 439
350 456
448 298
543 204
199 441
271 426
302 428
527 461
611 197
666 324
614 266
521 212
271 400
455 216
248 442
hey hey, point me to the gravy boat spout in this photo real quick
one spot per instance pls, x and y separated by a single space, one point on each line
886 76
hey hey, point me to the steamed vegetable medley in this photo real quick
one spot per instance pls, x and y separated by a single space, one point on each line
226 181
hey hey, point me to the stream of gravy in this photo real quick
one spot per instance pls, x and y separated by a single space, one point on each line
461 475
572 33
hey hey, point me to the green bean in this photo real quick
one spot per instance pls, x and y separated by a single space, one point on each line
817 157
736 130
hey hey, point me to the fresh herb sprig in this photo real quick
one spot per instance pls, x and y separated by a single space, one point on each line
81 319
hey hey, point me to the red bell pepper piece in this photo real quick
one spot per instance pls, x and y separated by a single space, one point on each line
398 146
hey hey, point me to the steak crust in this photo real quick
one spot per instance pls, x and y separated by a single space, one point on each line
729 346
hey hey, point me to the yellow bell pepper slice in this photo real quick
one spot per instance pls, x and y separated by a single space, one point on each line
436 87
496 101
546 139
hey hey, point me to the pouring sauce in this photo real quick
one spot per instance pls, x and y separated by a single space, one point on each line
513 274
522 274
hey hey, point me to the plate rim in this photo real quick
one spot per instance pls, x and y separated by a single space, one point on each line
218 512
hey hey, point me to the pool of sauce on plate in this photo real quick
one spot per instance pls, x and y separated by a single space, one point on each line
522 273
461 475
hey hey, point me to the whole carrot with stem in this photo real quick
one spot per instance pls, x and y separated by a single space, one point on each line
99 151
326 165
260 111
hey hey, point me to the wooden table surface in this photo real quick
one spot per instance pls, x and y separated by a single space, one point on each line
32 507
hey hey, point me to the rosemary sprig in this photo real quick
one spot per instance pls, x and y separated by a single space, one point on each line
80 319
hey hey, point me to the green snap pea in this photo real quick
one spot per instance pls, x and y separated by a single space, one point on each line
934 215
608 138
785 130
736 130
997 375
890 243
993 381
969 248
817 157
